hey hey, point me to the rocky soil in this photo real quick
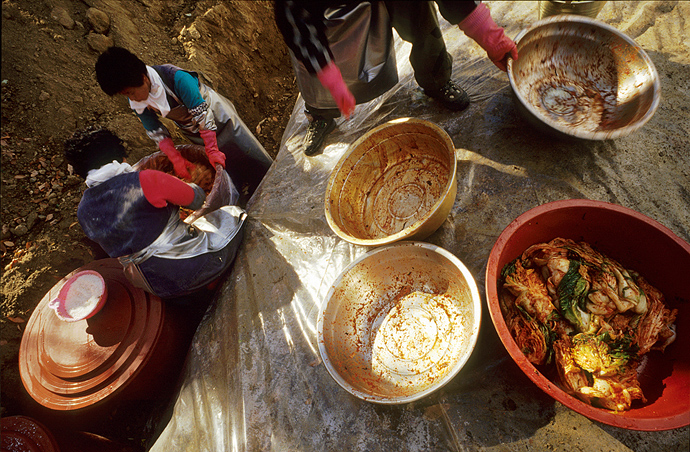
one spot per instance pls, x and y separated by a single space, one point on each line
49 90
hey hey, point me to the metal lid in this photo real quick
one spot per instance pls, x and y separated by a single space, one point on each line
23 434
67 366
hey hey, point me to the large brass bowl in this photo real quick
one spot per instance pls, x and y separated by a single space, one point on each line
395 182
399 322
579 77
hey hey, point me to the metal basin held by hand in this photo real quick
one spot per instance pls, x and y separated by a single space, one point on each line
583 8
399 322
579 77
395 182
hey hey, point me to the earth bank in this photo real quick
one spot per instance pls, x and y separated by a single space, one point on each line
49 90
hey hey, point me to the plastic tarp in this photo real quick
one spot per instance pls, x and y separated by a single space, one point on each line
254 379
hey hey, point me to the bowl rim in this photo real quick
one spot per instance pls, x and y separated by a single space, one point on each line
596 135
459 364
410 230
546 385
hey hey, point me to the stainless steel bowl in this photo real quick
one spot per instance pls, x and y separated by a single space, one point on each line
399 322
579 77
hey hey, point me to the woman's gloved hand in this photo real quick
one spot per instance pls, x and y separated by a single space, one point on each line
331 78
483 30
211 145
199 197
182 166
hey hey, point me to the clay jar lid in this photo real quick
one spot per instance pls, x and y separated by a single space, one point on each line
73 365
23 434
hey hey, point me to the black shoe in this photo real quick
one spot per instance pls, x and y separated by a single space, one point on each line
451 96
316 134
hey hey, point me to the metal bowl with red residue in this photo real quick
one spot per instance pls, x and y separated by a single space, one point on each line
396 182
399 322
579 77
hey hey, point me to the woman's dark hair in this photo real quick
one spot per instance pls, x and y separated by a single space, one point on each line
92 148
117 69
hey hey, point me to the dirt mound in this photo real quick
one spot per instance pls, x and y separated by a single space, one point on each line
49 90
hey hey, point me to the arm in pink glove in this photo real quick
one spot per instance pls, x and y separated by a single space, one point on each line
181 165
332 80
481 27
211 145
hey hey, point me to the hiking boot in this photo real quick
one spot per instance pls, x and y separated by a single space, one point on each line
451 96
317 130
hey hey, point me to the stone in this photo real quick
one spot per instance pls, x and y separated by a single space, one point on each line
61 16
73 180
6 234
100 22
20 230
43 96
31 220
67 118
99 42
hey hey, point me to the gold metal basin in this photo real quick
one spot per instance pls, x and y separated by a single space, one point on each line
395 182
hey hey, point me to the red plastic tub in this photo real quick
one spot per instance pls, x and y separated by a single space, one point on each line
24 434
638 243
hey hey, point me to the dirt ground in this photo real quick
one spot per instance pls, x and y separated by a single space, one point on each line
49 90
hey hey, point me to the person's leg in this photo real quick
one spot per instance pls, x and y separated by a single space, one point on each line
321 123
246 161
175 277
416 22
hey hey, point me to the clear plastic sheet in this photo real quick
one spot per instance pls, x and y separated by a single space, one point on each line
254 379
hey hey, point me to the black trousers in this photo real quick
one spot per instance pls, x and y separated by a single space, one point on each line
416 22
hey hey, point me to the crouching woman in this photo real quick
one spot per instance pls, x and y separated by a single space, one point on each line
203 115
134 216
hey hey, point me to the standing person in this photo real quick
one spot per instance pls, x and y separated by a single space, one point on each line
134 217
204 116
322 36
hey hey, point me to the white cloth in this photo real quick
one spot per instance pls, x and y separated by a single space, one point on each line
107 171
157 98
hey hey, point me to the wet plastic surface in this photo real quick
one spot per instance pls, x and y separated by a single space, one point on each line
254 379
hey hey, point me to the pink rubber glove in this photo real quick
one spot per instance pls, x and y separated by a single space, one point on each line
211 145
181 165
332 80
481 27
